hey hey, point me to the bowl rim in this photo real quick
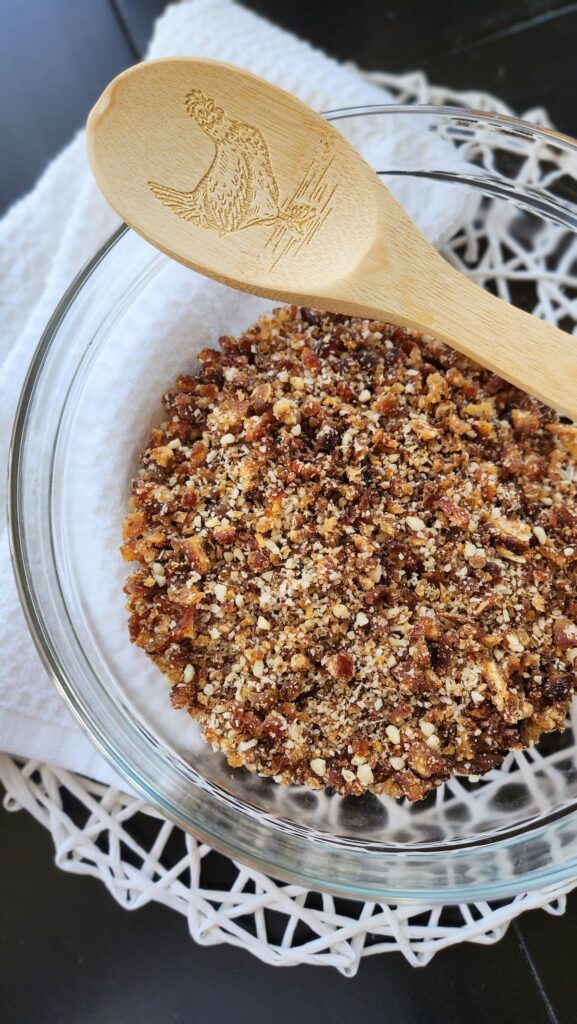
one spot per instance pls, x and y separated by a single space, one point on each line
521 125
65 685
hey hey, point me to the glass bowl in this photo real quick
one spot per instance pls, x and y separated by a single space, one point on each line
91 395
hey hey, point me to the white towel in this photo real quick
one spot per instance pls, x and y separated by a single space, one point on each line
44 241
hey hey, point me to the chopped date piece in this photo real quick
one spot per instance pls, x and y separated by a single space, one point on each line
225 535
311 360
341 666
194 551
356 556
328 437
260 427
258 559
454 512
558 686
565 634
423 760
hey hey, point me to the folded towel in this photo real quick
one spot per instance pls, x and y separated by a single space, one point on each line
47 237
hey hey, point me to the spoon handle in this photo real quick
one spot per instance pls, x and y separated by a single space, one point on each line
527 352
438 300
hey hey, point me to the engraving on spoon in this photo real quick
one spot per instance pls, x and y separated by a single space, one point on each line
240 188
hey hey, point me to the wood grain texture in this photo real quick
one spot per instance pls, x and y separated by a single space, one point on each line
244 183
222 171
75 48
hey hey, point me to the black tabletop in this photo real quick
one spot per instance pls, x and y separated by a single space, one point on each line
68 953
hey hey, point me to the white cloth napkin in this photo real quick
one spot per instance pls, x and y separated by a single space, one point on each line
44 241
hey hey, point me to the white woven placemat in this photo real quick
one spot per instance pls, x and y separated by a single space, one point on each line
140 857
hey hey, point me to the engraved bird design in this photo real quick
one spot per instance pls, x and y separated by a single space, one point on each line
240 188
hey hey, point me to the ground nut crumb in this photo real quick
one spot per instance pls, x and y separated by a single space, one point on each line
393 734
355 556
428 728
340 611
414 523
365 775
246 744
286 411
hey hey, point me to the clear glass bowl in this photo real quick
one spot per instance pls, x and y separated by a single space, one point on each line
515 189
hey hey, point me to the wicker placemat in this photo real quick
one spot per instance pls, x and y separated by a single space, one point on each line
140 857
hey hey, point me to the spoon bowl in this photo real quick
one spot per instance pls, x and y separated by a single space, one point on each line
241 181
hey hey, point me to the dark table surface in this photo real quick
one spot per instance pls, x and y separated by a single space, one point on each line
68 954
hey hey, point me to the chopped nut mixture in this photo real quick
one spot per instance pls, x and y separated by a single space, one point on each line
357 556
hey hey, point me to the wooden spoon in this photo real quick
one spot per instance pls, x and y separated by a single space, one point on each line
244 183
